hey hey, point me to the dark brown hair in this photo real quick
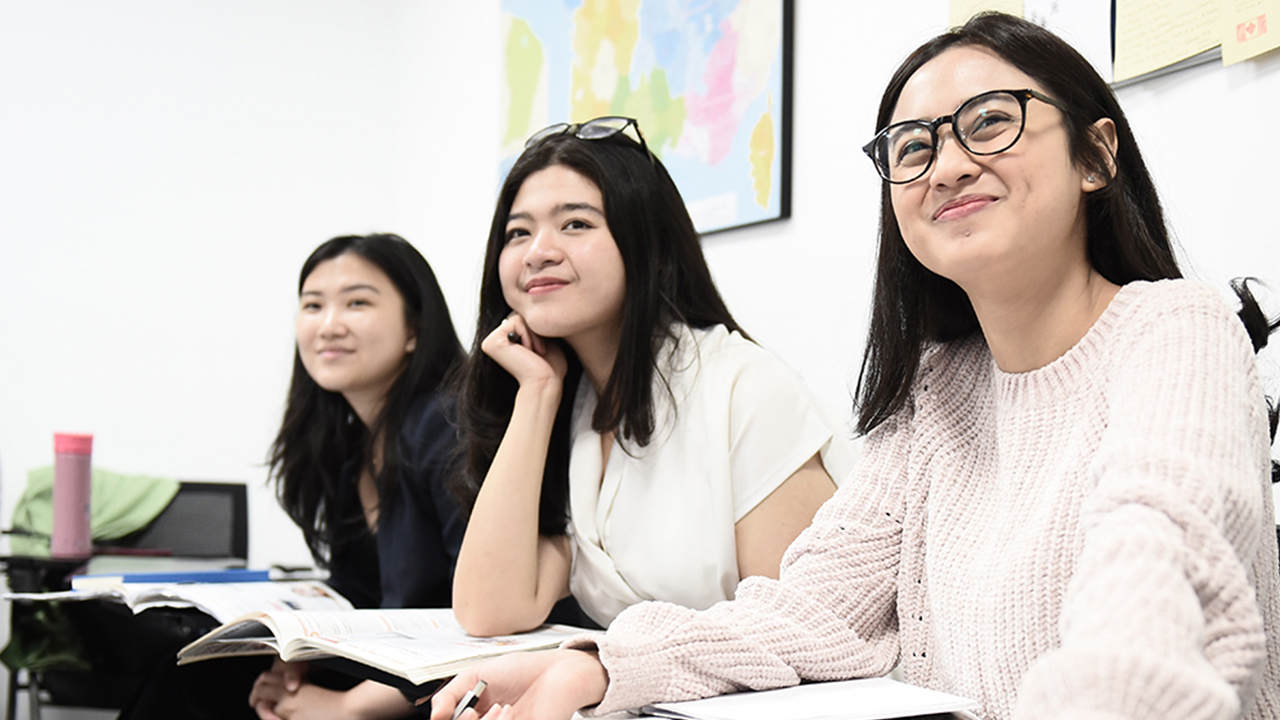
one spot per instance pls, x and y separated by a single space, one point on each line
1127 239
667 282
320 433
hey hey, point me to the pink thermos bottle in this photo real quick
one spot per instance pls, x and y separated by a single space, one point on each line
71 496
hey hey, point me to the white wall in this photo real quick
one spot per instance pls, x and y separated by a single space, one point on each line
166 168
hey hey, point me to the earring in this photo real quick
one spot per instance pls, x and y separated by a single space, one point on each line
1090 179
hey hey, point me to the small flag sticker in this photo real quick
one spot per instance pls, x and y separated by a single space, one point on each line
1251 29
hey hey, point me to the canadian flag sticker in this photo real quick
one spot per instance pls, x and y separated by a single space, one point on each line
1251 29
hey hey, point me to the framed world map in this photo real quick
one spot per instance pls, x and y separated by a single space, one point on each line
708 80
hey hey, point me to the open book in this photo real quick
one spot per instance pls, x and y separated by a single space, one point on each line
224 601
417 645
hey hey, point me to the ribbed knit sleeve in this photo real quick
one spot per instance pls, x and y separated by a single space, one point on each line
830 616
1160 618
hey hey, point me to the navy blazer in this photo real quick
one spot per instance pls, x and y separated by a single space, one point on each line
409 561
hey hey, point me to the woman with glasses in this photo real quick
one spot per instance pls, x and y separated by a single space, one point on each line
626 441
1064 504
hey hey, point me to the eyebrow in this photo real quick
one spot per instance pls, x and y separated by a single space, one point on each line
347 289
560 209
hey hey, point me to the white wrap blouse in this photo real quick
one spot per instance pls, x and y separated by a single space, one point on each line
660 524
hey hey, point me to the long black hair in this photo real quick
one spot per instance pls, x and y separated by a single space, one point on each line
667 282
320 433
1126 235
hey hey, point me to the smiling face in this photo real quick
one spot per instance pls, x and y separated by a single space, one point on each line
560 268
352 335
996 222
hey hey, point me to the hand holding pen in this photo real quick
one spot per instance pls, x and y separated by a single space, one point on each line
469 700
547 685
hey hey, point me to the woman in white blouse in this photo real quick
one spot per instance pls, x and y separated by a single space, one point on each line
634 443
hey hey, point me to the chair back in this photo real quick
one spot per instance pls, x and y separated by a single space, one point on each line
204 520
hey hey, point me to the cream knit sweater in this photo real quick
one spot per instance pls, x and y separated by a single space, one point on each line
1093 539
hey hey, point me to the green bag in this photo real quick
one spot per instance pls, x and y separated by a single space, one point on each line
120 505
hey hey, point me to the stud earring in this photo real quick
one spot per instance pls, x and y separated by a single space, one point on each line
1090 179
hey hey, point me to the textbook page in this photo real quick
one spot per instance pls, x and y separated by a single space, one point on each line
227 601
420 656
416 644
224 602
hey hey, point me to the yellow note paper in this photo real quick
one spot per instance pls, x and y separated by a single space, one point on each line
962 10
1151 34
1249 28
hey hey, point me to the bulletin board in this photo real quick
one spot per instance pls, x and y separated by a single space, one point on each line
1130 41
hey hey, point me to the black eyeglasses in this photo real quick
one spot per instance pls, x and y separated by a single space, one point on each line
596 129
987 124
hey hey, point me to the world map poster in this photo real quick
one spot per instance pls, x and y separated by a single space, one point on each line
708 81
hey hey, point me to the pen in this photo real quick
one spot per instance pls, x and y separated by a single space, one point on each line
470 699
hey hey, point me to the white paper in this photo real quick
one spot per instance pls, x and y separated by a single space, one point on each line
866 699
